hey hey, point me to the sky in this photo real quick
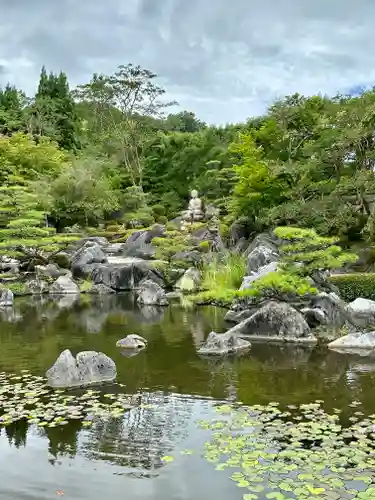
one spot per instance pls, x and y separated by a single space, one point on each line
226 60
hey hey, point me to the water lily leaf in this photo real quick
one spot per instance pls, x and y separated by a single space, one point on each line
167 459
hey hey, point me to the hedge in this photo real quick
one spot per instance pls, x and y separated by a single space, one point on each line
352 286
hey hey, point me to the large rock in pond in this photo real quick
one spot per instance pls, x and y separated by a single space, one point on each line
190 281
86 368
329 310
362 312
275 321
357 340
132 341
151 294
64 285
86 258
126 276
223 344
6 297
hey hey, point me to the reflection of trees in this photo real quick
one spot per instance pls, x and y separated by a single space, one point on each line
143 435
17 433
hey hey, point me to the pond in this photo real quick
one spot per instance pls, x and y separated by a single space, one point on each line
155 451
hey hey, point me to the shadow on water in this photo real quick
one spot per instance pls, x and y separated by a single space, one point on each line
172 388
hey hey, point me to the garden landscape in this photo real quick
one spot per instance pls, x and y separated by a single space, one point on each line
186 310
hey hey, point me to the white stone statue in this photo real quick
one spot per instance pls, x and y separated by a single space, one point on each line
195 208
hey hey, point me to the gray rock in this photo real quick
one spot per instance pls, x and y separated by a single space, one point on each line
99 289
49 271
86 257
223 344
10 265
151 294
190 281
174 295
190 256
357 340
262 240
314 316
237 233
88 367
238 316
275 321
64 285
139 243
334 309
260 257
114 248
362 312
37 286
132 342
262 271
6 297
125 277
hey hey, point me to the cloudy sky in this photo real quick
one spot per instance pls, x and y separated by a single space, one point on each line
224 59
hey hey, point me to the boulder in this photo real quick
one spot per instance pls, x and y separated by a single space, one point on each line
238 316
362 312
99 289
6 297
190 281
86 368
223 344
86 257
64 285
275 321
261 256
125 276
9 265
48 272
333 308
315 317
151 294
132 342
139 245
114 248
357 340
37 286
189 256
237 233
262 271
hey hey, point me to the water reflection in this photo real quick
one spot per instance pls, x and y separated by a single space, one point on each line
172 386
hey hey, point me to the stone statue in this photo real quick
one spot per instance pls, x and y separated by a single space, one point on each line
195 209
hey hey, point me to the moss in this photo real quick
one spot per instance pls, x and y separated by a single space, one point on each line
352 286
17 287
62 260
114 228
204 246
167 247
161 219
85 285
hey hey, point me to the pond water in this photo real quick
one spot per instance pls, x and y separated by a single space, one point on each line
122 458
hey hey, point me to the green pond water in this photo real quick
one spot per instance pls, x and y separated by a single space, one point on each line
124 457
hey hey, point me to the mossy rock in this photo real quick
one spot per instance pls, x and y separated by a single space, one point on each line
62 260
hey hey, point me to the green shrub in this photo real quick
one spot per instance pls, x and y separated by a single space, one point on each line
167 247
224 273
113 228
158 210
139 219
204 246
352 286
17 287
62 260
162 219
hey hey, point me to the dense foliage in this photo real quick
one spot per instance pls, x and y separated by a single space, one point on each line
308 162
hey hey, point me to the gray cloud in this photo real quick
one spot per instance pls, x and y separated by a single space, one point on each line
224 60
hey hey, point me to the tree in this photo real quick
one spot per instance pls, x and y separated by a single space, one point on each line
22 156
83 193
120 102
53 111
12 110
24 233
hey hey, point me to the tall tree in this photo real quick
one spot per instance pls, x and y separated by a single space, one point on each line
120 102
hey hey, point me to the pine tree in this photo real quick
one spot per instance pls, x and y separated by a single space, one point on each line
54 110
12 103
24 233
